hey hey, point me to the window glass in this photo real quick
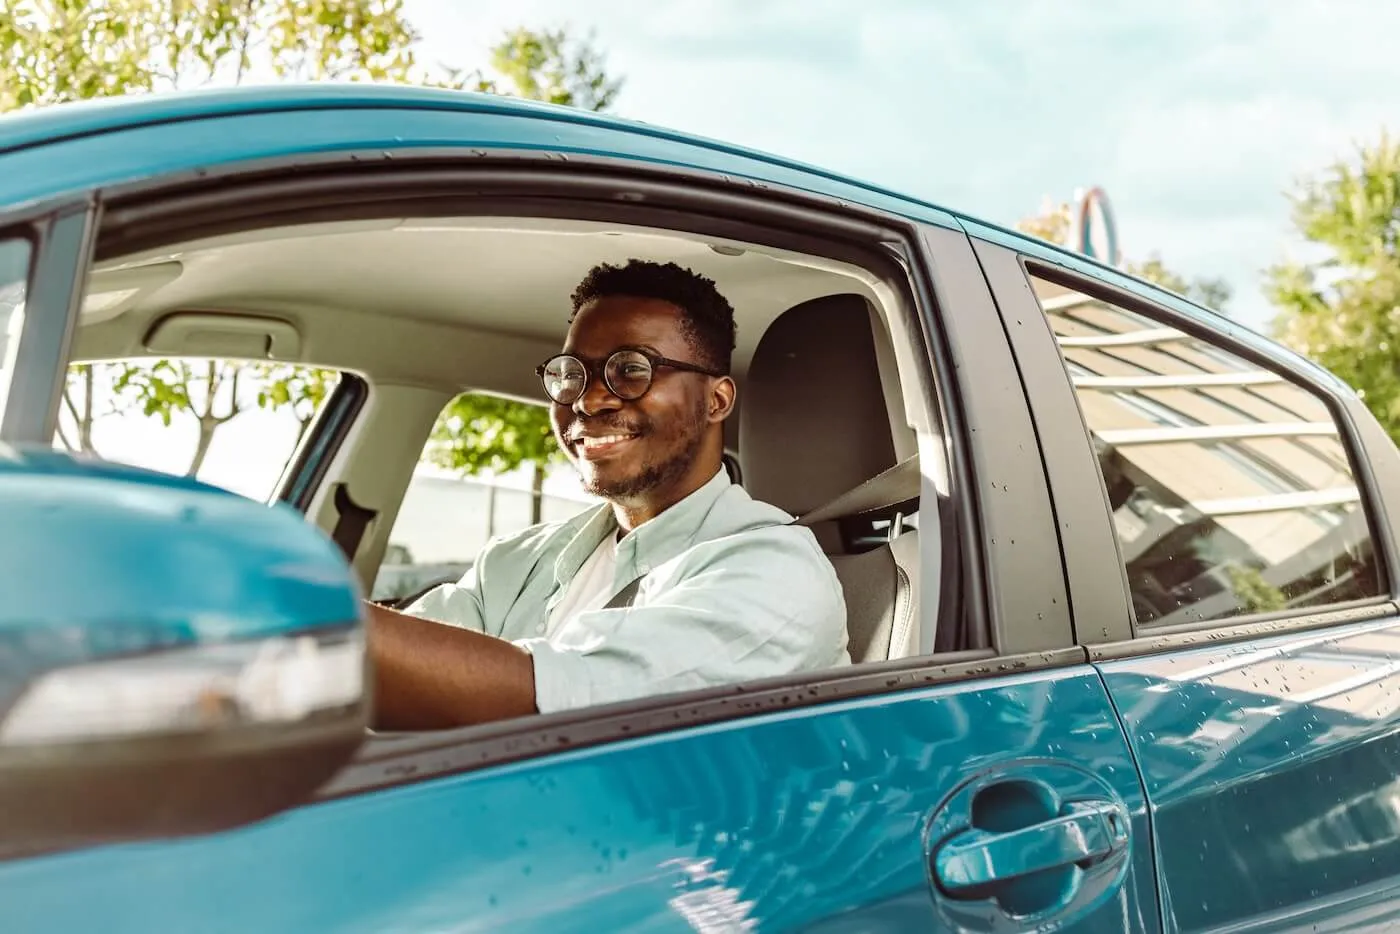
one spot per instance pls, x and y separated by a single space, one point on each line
1231 488
230 423
456 502
14 281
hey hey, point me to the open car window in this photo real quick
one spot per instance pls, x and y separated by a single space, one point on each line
436 314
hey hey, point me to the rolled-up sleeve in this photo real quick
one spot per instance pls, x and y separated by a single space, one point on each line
458 604
760 604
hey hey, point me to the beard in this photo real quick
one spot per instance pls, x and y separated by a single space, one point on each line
680 442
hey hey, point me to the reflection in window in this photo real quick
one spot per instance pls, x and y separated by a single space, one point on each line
1230 487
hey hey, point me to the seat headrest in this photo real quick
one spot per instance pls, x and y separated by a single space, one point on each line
813 423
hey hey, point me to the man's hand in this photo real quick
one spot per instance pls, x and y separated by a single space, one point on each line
429 676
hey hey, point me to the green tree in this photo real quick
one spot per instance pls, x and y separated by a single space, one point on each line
65 50
300 389
1054 222
213 391
553 67
1342 309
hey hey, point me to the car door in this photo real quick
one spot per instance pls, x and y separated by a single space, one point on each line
987 790
1249 639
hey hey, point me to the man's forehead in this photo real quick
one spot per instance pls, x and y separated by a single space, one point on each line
604 324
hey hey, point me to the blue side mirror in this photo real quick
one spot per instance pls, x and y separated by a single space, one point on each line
174 658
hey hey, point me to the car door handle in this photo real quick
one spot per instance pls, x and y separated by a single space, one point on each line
1085 833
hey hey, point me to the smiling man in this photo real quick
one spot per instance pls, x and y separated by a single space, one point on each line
680 581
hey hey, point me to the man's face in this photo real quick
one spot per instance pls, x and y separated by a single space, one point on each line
658 436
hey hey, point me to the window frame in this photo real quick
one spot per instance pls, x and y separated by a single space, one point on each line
61 237
909 244
1104 621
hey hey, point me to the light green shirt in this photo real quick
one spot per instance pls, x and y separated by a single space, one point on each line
732 592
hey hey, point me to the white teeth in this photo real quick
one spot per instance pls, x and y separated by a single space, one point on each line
606 439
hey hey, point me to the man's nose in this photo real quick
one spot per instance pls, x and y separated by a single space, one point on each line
596 399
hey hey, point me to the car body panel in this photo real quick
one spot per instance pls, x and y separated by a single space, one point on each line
1266 747
776 823
1273 771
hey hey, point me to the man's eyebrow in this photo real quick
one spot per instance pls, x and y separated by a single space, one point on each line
647 348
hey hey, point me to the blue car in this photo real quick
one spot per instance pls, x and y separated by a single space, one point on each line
1120 574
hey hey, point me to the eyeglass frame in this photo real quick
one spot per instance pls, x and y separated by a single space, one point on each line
600 367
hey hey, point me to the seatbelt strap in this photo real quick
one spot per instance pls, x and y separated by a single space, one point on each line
625 596
896 486
351 523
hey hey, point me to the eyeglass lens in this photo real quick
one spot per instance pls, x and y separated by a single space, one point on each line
626 373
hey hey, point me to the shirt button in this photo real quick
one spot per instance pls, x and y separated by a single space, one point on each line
539 628
644 568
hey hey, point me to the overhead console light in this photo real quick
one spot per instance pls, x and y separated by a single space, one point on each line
723 250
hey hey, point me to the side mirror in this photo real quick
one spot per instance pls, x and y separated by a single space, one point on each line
174 659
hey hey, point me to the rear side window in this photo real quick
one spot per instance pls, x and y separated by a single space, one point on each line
449 514
15 256
232 423
1231 487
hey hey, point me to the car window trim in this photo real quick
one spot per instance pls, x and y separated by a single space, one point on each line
1068 471
144 216
395 760
1088 541
304 473
1028 603
61 238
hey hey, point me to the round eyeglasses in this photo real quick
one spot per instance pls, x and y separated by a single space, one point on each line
627 373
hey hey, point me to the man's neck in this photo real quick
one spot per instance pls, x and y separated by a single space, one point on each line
631 514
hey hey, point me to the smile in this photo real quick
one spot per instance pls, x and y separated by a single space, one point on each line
590 447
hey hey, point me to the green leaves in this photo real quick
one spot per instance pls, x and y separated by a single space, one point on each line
549 66
478 432
1343 308
64 50
299 388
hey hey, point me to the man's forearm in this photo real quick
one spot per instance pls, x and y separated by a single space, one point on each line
431 676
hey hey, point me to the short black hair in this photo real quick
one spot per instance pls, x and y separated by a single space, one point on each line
708 318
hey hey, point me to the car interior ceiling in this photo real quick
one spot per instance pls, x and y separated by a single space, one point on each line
816 419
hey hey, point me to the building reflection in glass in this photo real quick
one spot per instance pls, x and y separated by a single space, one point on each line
1231 489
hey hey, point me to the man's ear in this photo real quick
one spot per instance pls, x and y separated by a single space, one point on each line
721 402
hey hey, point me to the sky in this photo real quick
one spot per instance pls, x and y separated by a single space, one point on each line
1195 117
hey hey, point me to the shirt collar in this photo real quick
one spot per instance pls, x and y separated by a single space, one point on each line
650 544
